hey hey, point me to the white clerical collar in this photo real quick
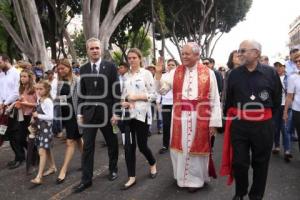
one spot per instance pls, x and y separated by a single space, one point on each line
192 68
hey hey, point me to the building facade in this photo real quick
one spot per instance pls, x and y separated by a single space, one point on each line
294 34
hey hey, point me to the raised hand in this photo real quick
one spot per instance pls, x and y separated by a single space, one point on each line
159 65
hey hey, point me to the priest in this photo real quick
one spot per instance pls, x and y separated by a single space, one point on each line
196 115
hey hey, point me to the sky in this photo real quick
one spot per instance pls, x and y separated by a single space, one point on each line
266 22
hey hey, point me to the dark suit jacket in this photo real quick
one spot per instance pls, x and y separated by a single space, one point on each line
99 93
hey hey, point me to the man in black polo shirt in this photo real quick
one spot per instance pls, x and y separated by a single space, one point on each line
253 94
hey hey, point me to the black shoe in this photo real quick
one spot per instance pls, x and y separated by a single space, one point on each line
60 181
153 176
16 165
112 176
276 151
287 158
193 189
163 150
11 163
79 169
289 155
237 197
126 187
81 187
255 198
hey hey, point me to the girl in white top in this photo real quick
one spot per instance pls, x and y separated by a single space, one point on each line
293 95
44 117
137 96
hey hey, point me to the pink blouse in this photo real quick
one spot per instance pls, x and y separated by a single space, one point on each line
30 98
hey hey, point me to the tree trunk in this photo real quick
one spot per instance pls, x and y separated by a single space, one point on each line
91 17
36 32
71 47
34 48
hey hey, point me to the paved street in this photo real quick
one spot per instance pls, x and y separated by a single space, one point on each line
283 181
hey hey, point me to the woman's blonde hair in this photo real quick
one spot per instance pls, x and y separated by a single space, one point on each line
65 62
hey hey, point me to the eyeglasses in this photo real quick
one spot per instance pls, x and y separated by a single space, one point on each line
206 63
94 48
242 51
297 61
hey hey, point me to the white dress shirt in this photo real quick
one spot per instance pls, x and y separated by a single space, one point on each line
167 99
283 90
97 65
9 86
294 88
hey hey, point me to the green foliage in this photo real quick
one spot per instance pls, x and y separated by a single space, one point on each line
189 12
231 12
131 32
79 44
117 57
52 28
139 40
7 46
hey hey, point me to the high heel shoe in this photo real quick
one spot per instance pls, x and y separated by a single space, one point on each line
154 175
50 171
126 187
37 181
60 180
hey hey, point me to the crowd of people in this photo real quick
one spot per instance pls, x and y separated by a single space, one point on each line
251 102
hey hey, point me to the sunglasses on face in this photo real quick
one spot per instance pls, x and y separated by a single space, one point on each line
242 51
297 61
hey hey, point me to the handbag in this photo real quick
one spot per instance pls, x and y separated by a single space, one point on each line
3 127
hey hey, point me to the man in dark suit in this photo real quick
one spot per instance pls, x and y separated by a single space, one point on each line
99 94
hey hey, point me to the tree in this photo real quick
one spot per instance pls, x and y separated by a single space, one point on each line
202 20
133 32
55 17
79 44
139 40
101 18
29 37
6 44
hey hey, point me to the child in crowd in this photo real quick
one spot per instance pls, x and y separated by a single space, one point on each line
26 104
43 117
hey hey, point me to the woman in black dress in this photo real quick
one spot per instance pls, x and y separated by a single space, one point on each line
66 96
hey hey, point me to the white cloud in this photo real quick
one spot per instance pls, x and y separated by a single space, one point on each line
267 22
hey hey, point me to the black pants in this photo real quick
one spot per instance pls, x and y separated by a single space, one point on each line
256 137
17 132
89 137
167 117
138 130
296 121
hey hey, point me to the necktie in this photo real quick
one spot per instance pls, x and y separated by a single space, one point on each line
95 71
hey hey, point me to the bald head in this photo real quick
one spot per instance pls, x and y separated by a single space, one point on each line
249 53
194 46
253 44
